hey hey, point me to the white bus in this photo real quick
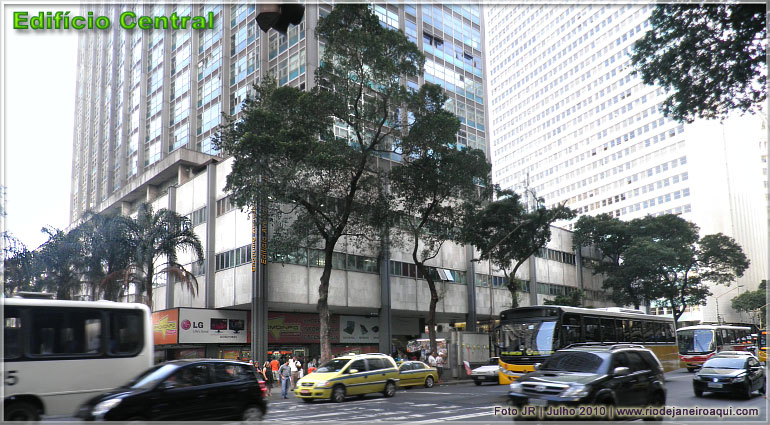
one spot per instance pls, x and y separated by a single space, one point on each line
58 354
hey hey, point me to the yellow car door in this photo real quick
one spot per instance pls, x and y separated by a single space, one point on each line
405 374
356 379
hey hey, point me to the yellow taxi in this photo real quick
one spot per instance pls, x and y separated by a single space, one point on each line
762 346
416 373
350 375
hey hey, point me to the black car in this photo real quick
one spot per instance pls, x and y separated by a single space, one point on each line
184 390
593 379
732 374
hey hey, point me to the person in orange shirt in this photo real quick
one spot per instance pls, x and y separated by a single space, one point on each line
274 365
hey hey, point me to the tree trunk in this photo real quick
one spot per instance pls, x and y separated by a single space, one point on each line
512 283
431 322
323 303
148 284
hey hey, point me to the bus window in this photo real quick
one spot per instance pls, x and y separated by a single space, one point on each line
593 332
626 330
608 330
636 331
571 329
670 332
62 332
619 331
12 333
649 331
125 332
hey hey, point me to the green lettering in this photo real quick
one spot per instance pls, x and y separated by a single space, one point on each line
19 19
183 22
161 22
211 20
75 20
198 22
144 22
174 21
124 23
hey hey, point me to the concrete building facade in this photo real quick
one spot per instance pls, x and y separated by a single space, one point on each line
148 103
569 120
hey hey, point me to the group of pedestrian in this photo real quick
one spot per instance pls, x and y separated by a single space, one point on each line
284 372
438 361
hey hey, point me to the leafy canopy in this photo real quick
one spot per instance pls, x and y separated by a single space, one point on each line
710 58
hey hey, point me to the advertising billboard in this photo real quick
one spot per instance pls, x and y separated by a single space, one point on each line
204 326
165 326
360 330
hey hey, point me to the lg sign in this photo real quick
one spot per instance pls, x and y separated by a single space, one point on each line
186 324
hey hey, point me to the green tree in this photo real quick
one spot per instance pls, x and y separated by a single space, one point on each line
434 183
107 252
156 238
710 58
507 233
612 237
573 299
753 302
18 266
322 192
58 263
662 258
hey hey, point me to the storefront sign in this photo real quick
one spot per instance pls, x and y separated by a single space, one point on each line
165 326
299 328
212 326
358 329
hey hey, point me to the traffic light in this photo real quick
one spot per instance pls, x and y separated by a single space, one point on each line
279 16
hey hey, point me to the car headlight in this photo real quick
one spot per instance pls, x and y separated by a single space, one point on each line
105 406
575 391
740 378
321 384
515 387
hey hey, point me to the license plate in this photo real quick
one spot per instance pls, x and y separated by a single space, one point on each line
538 402
714 385
305 392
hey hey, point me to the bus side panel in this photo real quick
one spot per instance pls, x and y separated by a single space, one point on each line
63 385
668 354
517 371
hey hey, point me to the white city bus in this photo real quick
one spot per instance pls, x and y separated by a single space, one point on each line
58 354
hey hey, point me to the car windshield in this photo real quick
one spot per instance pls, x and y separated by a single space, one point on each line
725 363
335 365
695 341
527 338
150 377
573 361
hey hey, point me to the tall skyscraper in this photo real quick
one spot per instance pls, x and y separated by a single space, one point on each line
569 120
142 95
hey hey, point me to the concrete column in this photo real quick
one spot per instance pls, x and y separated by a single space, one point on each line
169 284
211 226
579 271
470 319
532 280
386 319
151 194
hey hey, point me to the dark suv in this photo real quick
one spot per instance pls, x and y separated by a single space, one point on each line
594 379
184 390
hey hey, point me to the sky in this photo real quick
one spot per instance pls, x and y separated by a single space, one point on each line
39 76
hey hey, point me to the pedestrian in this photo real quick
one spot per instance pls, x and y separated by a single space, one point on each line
284 372
440 361
274 365
294 371
432 359
267 373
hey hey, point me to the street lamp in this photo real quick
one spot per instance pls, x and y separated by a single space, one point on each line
716 299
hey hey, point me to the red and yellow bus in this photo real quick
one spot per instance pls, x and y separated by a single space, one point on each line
698 343
762 346
528 335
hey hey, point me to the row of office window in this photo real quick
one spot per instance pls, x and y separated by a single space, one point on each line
399 268
317 258
555 255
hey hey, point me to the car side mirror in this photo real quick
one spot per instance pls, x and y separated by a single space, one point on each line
537 366
352 371
621 371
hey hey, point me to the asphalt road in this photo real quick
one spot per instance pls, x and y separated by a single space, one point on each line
466 402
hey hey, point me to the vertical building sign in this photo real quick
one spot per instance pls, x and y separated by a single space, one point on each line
253 239
263 233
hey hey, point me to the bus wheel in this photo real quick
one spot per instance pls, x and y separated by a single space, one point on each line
22 411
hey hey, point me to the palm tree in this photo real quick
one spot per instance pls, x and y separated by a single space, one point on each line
58 263
157 236
108 247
